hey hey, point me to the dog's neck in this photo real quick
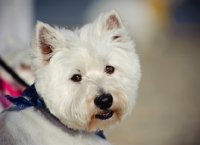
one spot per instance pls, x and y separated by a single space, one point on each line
30 98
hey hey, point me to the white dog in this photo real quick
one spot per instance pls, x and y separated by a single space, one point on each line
86 81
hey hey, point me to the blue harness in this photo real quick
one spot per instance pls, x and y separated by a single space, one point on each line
30 98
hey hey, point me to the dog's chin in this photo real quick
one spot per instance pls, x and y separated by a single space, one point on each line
103 119
104 114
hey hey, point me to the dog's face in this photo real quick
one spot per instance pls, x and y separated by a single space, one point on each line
88 78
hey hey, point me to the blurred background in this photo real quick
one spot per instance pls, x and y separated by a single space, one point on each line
167 37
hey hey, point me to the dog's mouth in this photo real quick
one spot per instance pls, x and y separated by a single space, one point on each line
105 114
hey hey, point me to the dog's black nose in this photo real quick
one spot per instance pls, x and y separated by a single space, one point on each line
104 101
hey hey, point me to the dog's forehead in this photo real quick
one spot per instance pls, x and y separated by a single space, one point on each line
82 59
91 34
88 48
86 43
85 55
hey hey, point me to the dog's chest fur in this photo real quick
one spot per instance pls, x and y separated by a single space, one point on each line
33 126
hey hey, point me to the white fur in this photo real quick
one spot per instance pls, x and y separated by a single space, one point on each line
33 126
86 51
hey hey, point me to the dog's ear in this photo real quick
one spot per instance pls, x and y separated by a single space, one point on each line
112 20
45 41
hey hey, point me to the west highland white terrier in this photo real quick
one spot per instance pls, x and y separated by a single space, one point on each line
86 81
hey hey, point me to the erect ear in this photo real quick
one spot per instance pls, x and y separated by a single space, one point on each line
45 41
112 20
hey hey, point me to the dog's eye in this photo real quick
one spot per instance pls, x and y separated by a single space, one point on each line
76 78
116 37
109 69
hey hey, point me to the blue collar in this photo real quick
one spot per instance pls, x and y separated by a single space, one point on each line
30 98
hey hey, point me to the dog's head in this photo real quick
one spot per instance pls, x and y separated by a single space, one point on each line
89 77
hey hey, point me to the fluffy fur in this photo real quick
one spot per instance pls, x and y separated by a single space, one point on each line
57 55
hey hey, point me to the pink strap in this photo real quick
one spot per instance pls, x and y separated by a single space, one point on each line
7 88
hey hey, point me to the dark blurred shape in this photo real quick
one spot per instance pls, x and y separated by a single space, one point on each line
188 12
185 17
61 12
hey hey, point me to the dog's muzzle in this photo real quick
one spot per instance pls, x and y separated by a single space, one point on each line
104 102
